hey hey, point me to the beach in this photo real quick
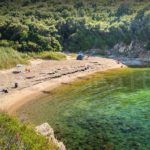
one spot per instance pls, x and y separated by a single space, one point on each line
45 75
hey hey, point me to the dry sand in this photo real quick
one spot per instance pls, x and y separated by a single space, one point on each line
46 74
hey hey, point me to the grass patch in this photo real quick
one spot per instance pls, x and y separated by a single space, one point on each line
9 57
15 135
73 54
48 55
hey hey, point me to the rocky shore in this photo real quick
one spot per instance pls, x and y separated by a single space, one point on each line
135 54
132 62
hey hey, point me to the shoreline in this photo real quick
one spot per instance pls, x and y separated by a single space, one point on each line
12 101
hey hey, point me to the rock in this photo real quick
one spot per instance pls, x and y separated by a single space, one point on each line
46 130
122 49
131 46
145 56
131 51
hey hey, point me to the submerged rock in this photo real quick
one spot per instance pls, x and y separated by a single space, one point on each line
46 130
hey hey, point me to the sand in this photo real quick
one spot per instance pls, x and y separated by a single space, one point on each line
46 75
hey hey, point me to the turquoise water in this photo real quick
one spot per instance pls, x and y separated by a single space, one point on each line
105 111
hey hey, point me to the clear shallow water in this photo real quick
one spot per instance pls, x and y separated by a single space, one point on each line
106 111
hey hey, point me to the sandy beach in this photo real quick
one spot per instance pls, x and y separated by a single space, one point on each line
46 75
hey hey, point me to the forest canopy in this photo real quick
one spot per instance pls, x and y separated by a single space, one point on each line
74 25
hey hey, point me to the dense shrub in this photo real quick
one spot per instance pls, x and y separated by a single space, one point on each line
6 43
35 25
123 9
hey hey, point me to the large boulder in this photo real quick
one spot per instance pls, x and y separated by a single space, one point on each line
46 130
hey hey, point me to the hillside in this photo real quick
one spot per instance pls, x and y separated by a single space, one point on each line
32 25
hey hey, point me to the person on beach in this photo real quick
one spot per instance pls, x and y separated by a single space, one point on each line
5 90
27 70
16 85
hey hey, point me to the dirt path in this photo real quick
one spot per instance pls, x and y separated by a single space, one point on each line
46 74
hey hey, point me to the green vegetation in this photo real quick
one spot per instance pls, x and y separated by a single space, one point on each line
10 57
32 25
48 55
14 135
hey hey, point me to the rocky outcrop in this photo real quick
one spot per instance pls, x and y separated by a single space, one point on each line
134 54
46 130
133 50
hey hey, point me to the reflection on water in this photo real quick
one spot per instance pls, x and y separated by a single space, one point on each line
107 111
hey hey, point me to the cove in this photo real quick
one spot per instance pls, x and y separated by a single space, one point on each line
105 111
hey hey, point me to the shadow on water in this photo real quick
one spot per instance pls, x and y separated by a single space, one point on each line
109 111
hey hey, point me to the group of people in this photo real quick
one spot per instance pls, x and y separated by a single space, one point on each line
6 90
27 70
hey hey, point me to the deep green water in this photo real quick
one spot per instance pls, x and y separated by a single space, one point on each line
106 111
